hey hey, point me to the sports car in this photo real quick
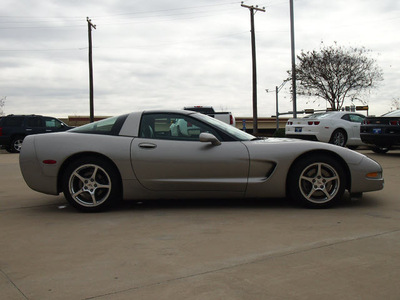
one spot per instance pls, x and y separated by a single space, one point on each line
183 154
341 128
382 133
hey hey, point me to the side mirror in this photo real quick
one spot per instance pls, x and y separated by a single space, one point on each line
209 138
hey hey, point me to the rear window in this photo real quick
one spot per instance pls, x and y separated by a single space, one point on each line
395 113
110 126
317 116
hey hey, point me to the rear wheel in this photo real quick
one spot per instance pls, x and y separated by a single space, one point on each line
339 138
380 149
16 144
317 181
91 184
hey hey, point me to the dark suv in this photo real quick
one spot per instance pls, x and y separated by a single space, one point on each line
14 128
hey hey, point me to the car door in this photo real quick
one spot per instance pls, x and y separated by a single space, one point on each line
355 121
35 124
53 124
168 156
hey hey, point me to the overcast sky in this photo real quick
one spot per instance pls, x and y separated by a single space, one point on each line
170 54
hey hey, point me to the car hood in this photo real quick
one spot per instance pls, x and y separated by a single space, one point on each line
283 148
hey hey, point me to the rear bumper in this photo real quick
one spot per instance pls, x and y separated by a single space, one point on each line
380 139
4 141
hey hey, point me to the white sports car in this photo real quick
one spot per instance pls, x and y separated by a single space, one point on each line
341 128
184 154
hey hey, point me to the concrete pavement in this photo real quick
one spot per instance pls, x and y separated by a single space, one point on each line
199 249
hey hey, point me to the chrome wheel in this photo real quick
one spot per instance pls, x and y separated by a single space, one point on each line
319 183
89 185
16 144
339 138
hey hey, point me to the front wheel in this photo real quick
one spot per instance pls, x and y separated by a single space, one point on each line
317 181
91 184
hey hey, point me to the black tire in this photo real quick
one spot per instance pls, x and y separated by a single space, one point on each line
380 149
16 144
317 181
339 138
351 147
91 184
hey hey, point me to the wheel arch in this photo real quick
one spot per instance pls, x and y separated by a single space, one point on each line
80 155
340 129
324 152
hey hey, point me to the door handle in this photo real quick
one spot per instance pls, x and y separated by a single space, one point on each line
147 145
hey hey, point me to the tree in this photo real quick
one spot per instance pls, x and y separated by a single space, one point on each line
395 104
336 73
2 103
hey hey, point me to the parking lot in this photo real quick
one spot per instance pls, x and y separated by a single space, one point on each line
216 249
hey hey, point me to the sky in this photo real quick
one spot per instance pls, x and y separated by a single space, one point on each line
167 54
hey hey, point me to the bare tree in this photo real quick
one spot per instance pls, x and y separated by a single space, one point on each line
395 104
2 103
336 73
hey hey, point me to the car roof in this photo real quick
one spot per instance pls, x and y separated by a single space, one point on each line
330 114
169 111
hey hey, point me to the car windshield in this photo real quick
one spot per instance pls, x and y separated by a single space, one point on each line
229 129
395 113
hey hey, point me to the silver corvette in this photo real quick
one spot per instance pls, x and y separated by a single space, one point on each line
183 154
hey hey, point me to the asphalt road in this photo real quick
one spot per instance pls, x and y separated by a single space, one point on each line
199 249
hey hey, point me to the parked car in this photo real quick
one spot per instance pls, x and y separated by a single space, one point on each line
14 128
223 116
382 133
141 156
340 128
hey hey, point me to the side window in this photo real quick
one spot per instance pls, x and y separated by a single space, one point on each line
172 127
346 117
356 118
35 122
13 121
52 122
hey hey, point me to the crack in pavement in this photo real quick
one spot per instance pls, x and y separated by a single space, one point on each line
261 258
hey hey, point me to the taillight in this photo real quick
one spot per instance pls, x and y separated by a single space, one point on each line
1 131
313 122
290 123
231 119
394 123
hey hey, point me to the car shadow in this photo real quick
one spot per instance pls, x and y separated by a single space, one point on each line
204 204
212 204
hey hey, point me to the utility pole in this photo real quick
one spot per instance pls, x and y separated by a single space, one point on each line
294 98
253 11
91 102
